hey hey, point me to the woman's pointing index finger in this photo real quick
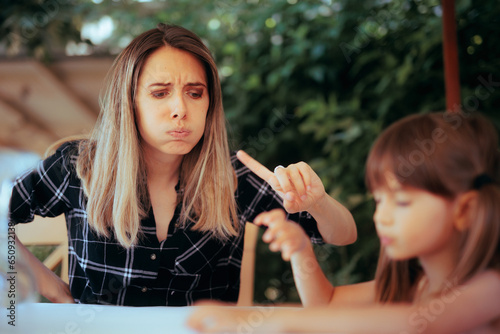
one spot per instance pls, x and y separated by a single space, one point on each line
255 166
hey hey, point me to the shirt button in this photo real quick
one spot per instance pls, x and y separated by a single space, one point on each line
153 256
144 289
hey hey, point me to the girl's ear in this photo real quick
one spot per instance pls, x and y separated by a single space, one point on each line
465 206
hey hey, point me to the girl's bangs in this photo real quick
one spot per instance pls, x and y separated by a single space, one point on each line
387 158
377 169
395 151
401 152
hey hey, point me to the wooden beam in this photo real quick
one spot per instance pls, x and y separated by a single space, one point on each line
21 133
84 76
450 57
47 99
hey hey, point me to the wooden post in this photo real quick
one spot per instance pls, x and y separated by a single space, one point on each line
450 57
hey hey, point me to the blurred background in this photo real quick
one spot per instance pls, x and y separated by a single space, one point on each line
302 80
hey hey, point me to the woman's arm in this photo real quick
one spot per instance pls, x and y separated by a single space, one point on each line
343 232
302 190
48 284
44 191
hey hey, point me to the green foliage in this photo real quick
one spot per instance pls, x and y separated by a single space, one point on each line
314 81
37 28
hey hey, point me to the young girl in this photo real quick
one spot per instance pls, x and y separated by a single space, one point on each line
155 203
437 215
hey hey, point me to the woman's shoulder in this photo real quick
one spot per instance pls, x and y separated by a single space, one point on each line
66 146
63 155
69 148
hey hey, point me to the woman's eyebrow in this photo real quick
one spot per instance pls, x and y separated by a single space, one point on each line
196 84
161 84
189 84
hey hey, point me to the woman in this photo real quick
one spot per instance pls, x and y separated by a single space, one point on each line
155 203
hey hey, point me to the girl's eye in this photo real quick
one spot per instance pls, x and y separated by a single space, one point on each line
403 203
377 197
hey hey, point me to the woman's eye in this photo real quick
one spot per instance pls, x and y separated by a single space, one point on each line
403 203
195 94
159 95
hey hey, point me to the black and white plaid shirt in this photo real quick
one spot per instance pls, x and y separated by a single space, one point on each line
185 267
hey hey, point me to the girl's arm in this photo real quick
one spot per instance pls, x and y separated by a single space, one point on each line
214 317
473 306
313 286
289 238
48 284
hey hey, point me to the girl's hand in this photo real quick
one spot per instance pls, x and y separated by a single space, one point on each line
218 317
298 185
214 317
282 235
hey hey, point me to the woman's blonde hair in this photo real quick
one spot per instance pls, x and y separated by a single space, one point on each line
442 153
111 164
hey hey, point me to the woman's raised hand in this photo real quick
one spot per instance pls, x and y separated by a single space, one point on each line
298 185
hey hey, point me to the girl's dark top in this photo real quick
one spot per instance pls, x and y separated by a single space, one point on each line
187 266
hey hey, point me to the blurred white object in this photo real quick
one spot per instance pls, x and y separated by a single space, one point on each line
13 163
17 283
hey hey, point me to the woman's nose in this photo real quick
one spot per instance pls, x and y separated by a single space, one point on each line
178 107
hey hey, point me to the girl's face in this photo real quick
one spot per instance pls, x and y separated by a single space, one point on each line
172 103
411 222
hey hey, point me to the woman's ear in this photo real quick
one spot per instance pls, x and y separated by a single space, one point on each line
465 206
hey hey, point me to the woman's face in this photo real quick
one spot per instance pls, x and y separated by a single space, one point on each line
171 103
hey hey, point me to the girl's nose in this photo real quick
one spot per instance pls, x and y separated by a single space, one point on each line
382 214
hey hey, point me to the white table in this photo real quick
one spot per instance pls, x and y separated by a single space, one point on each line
46 318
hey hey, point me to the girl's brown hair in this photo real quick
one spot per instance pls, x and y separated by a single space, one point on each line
111 164
442 153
